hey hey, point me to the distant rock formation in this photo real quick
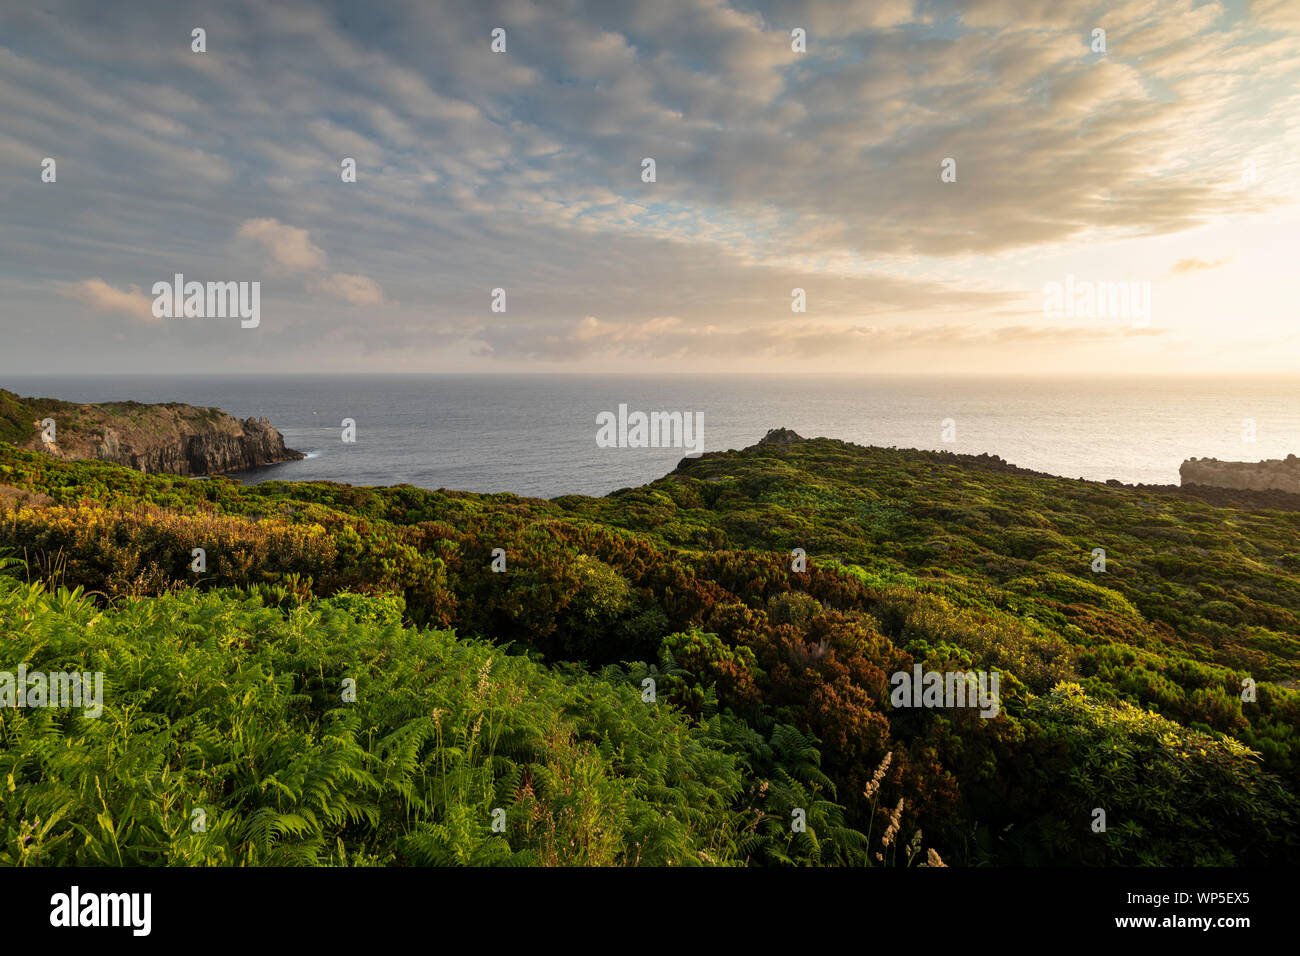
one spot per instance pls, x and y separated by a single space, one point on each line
1275 474
172 439
780 436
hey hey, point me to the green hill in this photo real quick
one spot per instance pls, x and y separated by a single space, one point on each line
1160 690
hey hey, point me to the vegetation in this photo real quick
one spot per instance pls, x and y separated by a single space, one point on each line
82 427
651 680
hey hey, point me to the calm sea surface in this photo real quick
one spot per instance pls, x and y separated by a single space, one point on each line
536 435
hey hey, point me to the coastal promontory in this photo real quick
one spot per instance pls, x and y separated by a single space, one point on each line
1274 474
171 438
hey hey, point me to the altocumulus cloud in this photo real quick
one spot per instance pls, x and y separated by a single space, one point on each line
521 170
289 248
99 296
293 252
355 290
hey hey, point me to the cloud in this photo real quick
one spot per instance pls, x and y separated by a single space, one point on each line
352 289
667 337
1184 266
776 170
289 248
1276 14
102 297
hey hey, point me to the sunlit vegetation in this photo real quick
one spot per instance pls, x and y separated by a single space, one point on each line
1121 690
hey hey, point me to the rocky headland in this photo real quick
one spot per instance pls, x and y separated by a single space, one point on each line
172 438
1274 474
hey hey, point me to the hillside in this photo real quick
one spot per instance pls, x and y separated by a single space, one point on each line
172 438
1120 689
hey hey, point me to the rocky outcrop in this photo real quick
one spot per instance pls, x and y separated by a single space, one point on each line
1275 474
173 439
780 436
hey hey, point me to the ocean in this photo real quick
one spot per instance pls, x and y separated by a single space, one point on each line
536 434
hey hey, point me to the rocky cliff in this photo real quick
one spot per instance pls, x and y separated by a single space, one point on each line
1275 474
173 438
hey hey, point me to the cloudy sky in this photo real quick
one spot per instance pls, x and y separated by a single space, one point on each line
1168 159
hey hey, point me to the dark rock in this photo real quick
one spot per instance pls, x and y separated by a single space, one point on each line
780 436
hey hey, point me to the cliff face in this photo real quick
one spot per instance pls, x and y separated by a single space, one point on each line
171 439
1275 474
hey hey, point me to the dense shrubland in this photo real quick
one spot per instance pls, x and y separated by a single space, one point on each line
1119 690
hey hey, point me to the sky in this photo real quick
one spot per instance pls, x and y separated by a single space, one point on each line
923 171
